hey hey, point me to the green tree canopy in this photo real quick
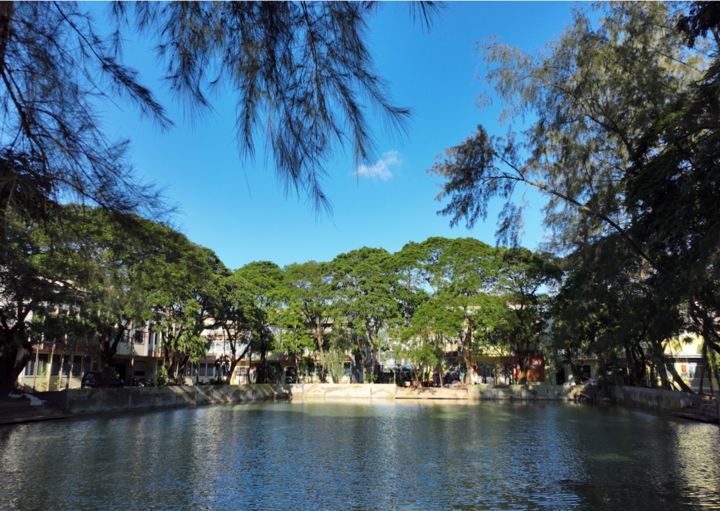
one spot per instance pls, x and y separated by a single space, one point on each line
264 281
33 278
624 147
364 282
187 280
309 292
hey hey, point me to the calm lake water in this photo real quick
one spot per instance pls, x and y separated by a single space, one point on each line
363 456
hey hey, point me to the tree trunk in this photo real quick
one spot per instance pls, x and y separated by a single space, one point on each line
676 377
321 341
132 357
50 364
108 349
702 369
417 376
60 372
235 360
72 363
16 353
644 367
169 356
37 363
467 349
371 346
231 369
522 380
363 364
182 363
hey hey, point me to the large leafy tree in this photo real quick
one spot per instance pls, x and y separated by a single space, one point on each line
595 92
264 281
364 282
423 342
448 285
309 292
111 272
187 281
409 284
673 184
424 325
623 146
607 307
410 293
32 280
467 272
526 282
83 259
292 335
460 272
234 313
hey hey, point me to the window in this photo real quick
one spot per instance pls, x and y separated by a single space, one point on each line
66 366
42 364
139 337
55 369
201 368
77 366
30 367
139 369
586 371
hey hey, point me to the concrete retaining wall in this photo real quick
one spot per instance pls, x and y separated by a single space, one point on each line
652 399
342 392
432 393
530 392
91 401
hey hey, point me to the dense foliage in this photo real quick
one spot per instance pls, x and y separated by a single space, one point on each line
624 146
362 304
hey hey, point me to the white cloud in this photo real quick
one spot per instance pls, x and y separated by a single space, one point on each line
381 169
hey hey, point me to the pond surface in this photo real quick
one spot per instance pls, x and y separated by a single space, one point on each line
363 456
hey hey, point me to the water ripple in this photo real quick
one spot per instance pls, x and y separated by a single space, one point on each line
361 456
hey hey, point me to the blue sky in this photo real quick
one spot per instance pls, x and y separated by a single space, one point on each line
239 209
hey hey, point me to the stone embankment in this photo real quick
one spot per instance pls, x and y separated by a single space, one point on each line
529 392
16 410
308 392
532 392
681 404
81 402
124 399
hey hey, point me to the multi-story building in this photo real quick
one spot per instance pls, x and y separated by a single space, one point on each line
60 364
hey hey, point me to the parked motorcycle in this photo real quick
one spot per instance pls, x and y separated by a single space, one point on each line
143 382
